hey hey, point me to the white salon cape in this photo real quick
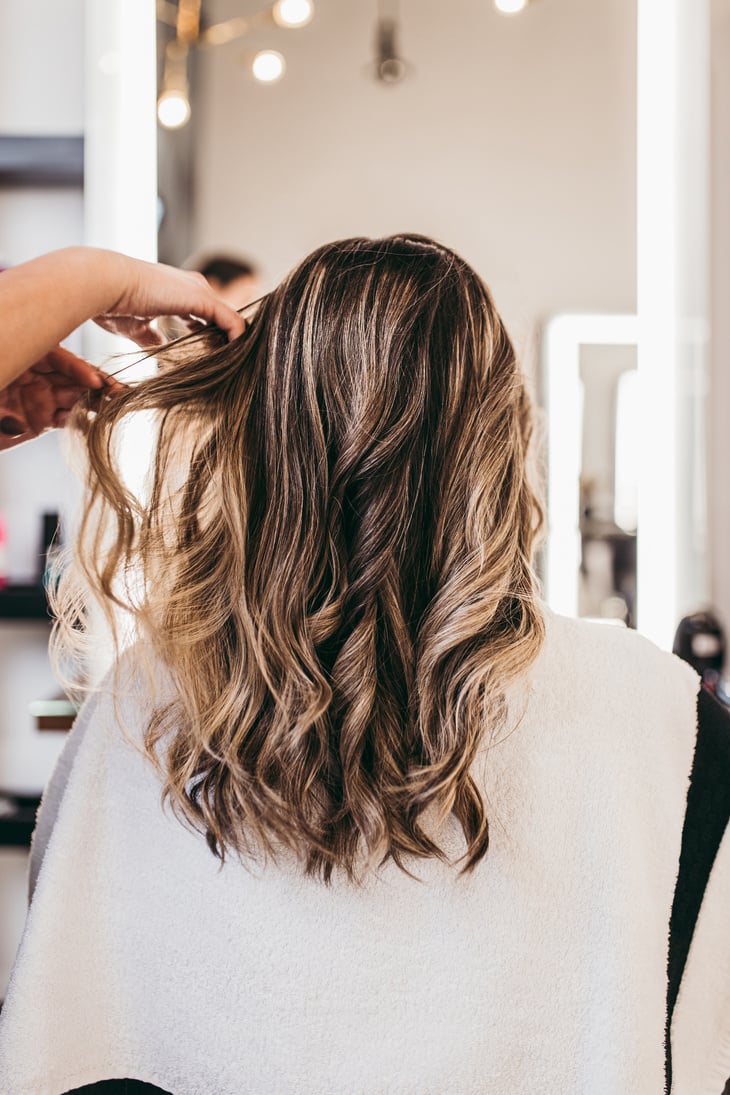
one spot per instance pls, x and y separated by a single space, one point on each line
544 970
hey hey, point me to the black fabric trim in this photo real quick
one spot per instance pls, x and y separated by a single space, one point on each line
706 818
117 1087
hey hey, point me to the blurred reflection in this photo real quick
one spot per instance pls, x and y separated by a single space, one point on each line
608 484
235 279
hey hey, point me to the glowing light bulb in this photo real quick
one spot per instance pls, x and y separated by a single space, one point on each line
268 66
293 13
510 7
173 109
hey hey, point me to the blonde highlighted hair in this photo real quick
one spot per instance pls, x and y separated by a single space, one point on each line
333 558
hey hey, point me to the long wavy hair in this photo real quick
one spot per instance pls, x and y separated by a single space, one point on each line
332 558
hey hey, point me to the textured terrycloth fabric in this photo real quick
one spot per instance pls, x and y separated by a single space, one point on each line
543 970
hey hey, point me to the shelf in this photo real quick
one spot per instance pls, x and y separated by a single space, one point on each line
41 161
53 714
24 603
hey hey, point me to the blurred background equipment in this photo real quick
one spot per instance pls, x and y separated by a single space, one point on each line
700 641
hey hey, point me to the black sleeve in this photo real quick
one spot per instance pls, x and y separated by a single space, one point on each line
706 818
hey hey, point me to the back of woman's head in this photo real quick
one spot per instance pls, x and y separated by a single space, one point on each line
334 556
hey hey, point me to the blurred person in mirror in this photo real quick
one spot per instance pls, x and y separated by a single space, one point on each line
42 301
234 279
353 810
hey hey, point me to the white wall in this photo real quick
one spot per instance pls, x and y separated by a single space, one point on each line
41 93
41 67
719 386
513 140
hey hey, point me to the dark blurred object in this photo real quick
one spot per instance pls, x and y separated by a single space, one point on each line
3 562
17 818
41 161
224 269
50 544
24 603
29 602
700 641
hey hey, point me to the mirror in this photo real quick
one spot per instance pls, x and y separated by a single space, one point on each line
512 138
589 388
608 483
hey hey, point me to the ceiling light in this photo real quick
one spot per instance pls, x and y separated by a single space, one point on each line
173 109
510 7
268 66
293 13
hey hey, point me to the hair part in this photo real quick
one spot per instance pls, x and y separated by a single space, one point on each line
334 560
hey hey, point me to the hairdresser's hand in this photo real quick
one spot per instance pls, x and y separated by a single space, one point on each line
44 300
149 290
42 397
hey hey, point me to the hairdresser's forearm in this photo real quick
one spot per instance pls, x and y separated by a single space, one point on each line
44 300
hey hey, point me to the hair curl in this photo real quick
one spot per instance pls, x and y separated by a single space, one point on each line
333 560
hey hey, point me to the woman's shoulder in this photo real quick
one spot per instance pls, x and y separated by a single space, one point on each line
611 687
136 682
611 651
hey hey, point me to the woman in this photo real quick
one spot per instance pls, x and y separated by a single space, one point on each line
355 813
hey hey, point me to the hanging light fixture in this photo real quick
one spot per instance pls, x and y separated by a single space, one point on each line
173 105
268 65
389 67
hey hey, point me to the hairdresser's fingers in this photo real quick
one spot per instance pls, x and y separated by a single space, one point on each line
39 405
209 308
39 401
136 328
212 310
157 290
112 384
32 394
66 398
195 298
61 364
